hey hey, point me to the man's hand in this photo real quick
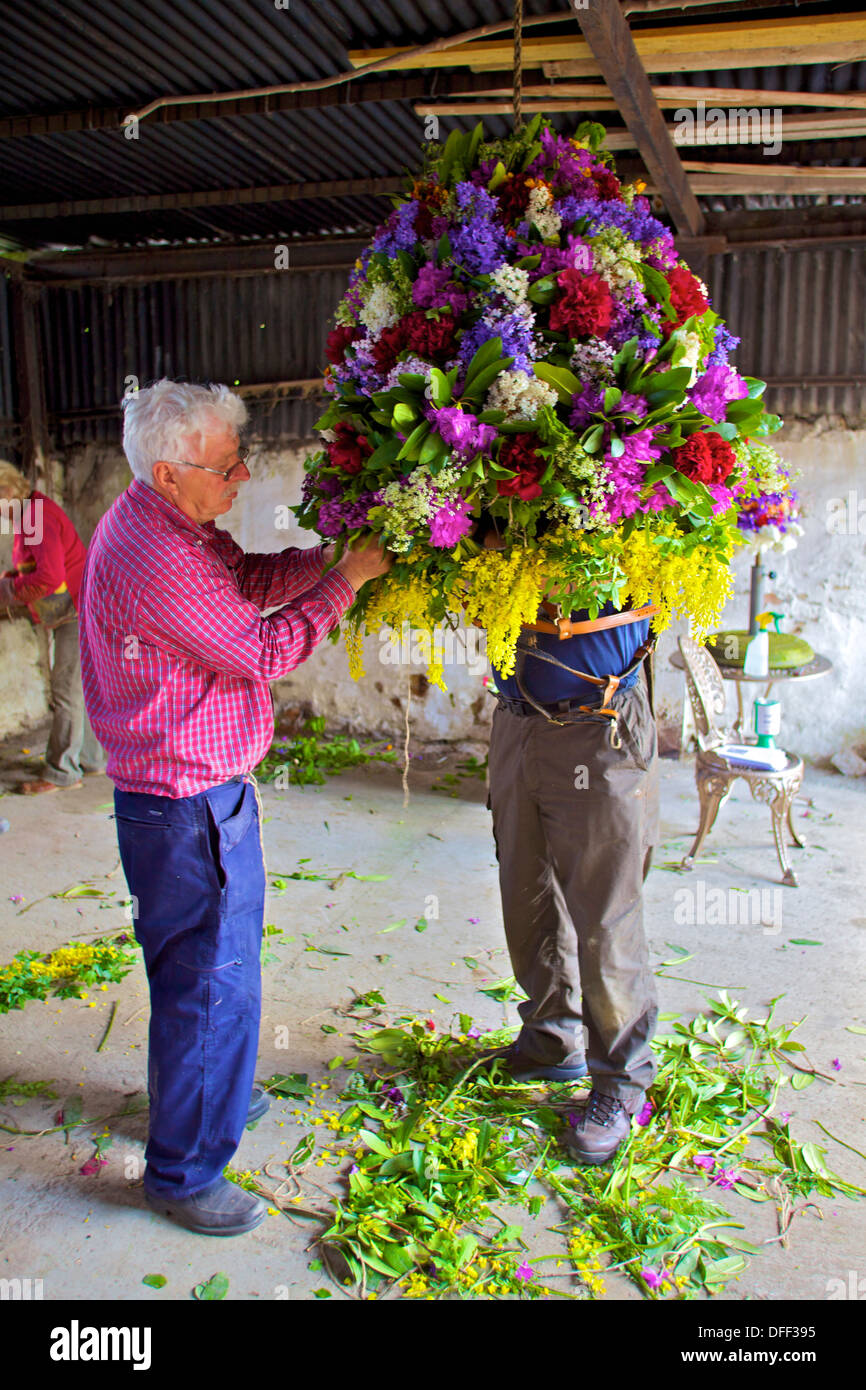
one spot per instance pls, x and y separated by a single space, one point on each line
365 559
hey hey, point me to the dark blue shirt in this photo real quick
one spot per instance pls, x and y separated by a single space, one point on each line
605 653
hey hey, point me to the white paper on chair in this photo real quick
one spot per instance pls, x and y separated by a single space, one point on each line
749 755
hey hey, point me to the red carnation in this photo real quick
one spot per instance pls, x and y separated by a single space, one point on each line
608 184
513 196
338 340
390 342
705 458
585 306
517 452
687 297
433 338
349 450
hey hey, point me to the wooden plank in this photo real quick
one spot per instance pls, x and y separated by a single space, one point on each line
613 46
595 96
216 197
32 414
790 128
719 45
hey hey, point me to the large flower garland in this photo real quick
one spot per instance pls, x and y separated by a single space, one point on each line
520 342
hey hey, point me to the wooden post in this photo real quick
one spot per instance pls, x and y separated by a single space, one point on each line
32 413
608 35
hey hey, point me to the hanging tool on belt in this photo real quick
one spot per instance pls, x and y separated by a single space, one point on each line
563 627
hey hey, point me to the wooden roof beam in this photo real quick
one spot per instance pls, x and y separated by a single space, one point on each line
613 47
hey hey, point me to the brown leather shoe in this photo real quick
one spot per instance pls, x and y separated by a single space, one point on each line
34 788
601 1127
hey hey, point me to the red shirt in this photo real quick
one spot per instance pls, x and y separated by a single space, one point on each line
47 551
175 654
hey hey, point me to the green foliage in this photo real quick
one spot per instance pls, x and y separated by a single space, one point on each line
64 973
443 1139
309 757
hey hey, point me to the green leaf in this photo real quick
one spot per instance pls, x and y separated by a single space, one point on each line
801 1079
855 1028
290 1084
812 1157
375 1143
564 382
804 941
215 1288
499 175
322 1293
385 453
404 414
542 291
155 1281
440 388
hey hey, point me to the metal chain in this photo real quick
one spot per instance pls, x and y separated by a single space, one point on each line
518 64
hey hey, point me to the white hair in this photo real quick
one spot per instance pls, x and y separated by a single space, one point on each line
160 419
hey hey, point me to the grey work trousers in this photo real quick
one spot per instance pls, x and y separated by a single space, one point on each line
575 821
72 745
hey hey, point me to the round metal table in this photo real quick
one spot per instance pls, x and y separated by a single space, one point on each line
818 666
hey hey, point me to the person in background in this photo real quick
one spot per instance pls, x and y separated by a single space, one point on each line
176 659
44 583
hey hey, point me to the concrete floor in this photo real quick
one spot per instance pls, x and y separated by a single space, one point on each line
92 1237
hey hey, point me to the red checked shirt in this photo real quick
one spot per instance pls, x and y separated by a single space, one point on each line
175 654
47 552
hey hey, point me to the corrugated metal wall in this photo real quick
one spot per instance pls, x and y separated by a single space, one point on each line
8 393
801 315
240 330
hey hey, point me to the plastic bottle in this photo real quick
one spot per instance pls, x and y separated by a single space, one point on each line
757 659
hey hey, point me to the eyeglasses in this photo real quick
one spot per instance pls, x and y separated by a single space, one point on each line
228 474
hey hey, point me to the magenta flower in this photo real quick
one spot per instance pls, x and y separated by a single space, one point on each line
725 1177
473 920
16 898
646 1114
452 521
836 1064
784 1116
525 1272
474 1031
705 1161
653 1280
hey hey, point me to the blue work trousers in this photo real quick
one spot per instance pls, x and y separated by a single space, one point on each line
195 869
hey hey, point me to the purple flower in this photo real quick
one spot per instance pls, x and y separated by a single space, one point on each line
525 1272
474 1031
718 385
461 430
705 1161
474 920
654 1280
434 289
452 521
354 1168
784 1116
393 1093
836 1064
725 343
16 898
584 406
646 1114
725 1177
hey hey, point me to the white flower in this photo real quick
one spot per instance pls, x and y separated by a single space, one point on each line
511 281
521 396
378 311
540 211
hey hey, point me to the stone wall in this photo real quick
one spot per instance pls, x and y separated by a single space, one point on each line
820 586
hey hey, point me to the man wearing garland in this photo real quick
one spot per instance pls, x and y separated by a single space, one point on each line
574 796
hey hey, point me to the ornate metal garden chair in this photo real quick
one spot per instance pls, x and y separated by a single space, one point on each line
715 775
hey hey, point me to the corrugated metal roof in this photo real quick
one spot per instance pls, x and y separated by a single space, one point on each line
79 53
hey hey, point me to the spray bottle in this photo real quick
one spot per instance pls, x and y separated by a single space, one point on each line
757 658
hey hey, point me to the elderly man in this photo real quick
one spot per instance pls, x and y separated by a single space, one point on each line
176 659
48 560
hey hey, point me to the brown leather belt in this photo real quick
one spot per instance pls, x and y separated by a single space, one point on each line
564 627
